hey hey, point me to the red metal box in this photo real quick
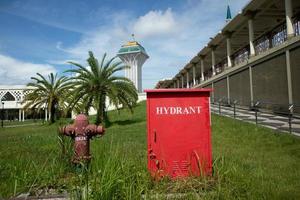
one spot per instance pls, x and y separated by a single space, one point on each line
179 133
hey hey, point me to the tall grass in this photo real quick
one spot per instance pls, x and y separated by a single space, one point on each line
249 162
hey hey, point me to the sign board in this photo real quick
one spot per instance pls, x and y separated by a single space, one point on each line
179 133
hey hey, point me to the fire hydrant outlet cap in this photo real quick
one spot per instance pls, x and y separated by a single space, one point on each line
69 129
100 129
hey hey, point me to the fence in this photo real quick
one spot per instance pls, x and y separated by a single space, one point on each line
260 107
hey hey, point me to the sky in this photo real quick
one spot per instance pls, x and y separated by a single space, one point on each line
41 36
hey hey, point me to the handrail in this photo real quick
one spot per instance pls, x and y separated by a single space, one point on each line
257 104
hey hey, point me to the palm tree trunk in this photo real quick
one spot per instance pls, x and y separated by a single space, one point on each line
99 113
86 111
52 111
87 106
100 110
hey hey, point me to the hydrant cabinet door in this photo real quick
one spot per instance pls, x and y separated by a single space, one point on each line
179 134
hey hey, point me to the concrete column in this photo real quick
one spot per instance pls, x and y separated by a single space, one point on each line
130 74
138 78
174 84
20 115
141 79
194 75
23 117
251 86
213 93
213 61
228 45
135 76
289 76
126 70
202 69
288 18
182 81
178 83
46 114
187 79
251 36
228 90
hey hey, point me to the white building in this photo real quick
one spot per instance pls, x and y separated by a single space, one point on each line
11 97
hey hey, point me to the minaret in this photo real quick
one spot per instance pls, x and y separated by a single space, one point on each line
228 15
134 56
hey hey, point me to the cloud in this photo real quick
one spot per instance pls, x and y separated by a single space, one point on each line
15 72
155 23
105 39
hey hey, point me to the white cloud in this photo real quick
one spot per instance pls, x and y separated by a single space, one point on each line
155 23
14 72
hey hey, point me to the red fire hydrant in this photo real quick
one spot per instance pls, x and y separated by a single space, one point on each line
81 131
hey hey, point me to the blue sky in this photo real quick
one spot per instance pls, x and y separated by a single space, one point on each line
42 35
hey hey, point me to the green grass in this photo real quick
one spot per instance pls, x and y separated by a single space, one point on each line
249 163
26 122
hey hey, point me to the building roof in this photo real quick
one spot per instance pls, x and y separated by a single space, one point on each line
14 87
132 47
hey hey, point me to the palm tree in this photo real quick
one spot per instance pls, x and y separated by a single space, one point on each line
49 93
94 84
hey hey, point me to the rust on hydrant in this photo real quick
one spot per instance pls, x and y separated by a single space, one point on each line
81 131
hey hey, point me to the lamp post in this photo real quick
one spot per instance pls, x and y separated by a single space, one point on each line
2 114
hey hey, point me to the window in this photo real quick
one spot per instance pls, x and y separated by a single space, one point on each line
8 97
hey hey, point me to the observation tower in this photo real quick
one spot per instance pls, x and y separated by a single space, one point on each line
134 56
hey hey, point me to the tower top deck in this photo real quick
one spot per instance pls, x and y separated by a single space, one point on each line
132 47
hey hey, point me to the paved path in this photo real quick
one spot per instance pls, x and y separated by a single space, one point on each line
20 125
272 121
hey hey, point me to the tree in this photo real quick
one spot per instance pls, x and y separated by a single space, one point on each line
94 84
47 93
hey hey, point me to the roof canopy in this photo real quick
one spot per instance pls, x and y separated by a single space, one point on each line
132 47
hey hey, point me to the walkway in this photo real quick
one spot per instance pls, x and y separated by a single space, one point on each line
20 125
276 122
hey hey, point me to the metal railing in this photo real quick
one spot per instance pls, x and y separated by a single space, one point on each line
273 38
259 106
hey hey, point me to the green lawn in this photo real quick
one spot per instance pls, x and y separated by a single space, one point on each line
249 163
21 123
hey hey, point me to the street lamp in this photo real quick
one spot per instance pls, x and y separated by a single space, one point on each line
2 114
